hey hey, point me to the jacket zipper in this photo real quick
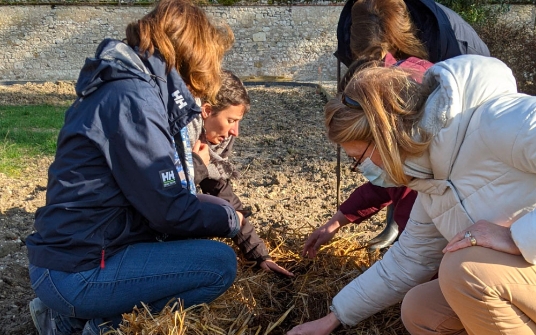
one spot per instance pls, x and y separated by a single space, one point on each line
102 259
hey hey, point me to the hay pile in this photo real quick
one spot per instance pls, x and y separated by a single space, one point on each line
261 303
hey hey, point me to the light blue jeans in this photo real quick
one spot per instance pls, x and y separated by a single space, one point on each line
196 271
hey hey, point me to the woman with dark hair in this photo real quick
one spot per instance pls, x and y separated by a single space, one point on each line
464 139
214 132
121 215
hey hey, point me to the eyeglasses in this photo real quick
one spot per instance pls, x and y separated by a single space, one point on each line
349 102
357 162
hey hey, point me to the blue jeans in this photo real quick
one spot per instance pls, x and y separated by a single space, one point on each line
196 271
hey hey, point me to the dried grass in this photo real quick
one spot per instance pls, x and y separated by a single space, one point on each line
261 303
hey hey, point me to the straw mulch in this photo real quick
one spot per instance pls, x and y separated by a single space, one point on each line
261 303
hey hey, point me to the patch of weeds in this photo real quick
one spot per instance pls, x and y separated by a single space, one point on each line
26 132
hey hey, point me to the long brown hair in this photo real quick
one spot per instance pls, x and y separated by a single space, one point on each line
187 40
381 26
391 107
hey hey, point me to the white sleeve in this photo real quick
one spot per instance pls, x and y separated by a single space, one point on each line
413 260
514 125
524 158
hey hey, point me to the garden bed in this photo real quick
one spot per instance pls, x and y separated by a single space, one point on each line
288 179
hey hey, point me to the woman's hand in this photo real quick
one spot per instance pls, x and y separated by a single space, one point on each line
201 149
486 234
324 234
322 326
271 266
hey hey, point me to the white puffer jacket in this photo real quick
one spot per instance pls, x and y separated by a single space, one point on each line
481 164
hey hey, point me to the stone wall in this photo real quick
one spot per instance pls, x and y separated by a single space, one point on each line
44 43
295 43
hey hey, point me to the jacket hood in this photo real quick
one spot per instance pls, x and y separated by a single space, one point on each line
180 103
114 60
461 85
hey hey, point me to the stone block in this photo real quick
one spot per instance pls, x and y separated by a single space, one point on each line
259 37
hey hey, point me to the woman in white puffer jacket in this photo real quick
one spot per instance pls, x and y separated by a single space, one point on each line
466 141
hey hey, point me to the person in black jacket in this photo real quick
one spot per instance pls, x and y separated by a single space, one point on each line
418 28
121 218
213 133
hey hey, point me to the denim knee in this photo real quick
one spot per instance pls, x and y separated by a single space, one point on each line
226 258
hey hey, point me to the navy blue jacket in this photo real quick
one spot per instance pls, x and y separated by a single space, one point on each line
114 181
444 33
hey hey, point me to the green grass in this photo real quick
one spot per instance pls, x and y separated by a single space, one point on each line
27 132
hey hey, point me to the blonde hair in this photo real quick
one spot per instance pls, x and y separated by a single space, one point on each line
391 106
381 26
187 40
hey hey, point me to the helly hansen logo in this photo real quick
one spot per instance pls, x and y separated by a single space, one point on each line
168 177
179 99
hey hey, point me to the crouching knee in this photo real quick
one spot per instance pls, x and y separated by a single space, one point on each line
225 258
412 307
457 273
425 311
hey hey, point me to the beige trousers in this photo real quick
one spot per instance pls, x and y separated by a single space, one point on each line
479 291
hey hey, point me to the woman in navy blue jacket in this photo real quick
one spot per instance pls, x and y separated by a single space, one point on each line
121 210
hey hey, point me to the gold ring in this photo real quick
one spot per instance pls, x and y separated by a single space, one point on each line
467 234
473 241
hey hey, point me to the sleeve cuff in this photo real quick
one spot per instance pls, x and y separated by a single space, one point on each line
334 311
234 222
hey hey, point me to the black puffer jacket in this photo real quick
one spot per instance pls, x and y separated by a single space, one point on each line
444 33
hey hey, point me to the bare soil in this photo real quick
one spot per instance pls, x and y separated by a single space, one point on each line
287 166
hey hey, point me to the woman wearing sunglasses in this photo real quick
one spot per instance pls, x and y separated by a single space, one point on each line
464 139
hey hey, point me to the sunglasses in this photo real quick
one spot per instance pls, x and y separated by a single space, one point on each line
349 102
357 162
